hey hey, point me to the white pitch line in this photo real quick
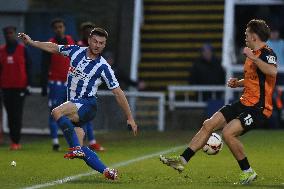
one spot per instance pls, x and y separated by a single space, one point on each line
116 165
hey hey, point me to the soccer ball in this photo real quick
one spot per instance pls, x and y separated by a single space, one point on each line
213 145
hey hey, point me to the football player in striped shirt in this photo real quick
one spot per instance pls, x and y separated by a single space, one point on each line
86 28
87 71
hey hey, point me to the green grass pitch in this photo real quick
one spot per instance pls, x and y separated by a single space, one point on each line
37 164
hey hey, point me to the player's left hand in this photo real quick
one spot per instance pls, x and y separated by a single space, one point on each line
133 125
233 82
248 52
25 38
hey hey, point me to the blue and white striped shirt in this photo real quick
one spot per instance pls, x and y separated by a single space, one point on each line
85 75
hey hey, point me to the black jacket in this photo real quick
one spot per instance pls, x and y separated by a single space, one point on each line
207 73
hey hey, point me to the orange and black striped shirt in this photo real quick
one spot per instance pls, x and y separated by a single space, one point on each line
258 87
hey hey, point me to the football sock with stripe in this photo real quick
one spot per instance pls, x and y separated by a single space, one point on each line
93 160
67 128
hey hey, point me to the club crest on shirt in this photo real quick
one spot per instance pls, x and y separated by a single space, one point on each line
271 59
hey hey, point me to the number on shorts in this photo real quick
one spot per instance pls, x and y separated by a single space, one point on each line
248 120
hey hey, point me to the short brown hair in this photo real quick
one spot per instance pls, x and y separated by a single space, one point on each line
260 28
57 20
87 25
100 32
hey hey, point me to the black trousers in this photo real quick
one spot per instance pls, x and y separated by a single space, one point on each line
14 103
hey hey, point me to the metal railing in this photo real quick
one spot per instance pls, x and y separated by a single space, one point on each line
40 126
199 90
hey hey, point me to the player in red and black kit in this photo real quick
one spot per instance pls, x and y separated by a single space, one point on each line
54 75
14 79
252 110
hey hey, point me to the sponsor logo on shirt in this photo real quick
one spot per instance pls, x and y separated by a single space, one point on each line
78 73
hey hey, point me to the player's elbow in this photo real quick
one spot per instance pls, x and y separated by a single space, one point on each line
53 51
53 48
273 72
117 91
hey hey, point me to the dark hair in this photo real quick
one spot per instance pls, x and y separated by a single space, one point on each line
207 46
5 29
260 28
55 21
87 25
100 32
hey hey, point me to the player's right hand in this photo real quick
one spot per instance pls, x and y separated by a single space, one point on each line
233 82
25 38
133 125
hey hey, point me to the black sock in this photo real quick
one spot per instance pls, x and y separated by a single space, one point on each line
244 164
187 154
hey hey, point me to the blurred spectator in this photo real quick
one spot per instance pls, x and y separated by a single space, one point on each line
277 118
124 80
54 75
85 30
14 78
277 45
207 70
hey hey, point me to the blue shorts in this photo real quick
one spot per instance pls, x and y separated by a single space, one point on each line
87 108
57 94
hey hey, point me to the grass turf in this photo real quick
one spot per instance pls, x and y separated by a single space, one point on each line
37 164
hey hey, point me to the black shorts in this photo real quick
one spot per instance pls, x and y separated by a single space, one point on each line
250 117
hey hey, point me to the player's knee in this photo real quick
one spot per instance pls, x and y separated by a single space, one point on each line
208 125
226 134
56 114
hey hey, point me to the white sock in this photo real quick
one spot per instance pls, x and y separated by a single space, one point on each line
183 160
248 170
92 142
55 141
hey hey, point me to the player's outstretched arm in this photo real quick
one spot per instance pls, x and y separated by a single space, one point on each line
123 103
46 46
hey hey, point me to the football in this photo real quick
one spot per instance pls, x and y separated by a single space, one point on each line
213 145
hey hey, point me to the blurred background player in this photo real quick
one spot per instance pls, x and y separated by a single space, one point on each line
87 70
54 73
14 78
85 30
